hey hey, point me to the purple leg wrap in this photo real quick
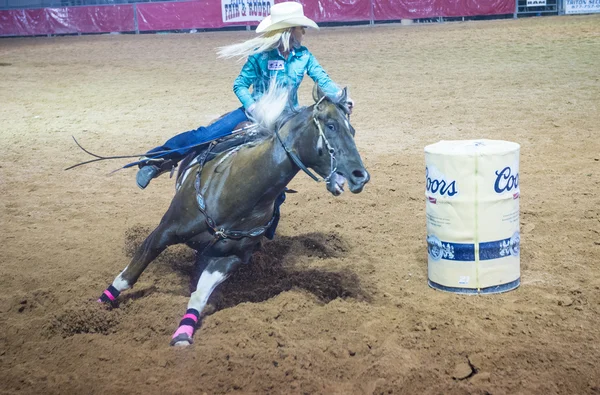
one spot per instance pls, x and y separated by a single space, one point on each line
109 295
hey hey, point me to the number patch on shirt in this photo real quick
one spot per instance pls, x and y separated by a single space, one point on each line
275 65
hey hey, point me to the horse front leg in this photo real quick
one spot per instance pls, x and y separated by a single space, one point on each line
162 237
217 270
180 223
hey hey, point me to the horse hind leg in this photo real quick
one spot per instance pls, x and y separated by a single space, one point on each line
217 270
155 243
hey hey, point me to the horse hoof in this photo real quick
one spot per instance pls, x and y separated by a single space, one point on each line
182 340
111 304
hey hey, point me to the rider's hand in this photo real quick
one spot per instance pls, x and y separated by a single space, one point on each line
350 104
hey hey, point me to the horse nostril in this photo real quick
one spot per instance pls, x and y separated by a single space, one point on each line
360 176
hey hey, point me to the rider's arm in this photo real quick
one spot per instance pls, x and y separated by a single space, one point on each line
318 74
242 84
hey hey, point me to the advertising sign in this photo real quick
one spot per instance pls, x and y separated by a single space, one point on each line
582 6
234 11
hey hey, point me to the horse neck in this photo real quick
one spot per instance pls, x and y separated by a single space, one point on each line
295 132
275 158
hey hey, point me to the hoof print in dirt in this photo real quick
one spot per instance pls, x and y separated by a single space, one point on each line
89 318
323 246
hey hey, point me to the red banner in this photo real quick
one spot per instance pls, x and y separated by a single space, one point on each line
23 22
207 14
67 20
416 9
211 14
203 14
117 18
337 10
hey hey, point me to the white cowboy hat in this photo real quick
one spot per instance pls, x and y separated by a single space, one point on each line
284 15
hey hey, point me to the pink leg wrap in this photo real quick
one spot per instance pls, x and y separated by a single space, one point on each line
192 316
187 329
187 326
109 295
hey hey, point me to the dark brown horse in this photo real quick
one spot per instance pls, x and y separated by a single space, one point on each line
224 210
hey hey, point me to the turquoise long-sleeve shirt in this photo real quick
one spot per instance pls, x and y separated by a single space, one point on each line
262 67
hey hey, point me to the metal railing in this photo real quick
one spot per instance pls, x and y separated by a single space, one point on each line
537 7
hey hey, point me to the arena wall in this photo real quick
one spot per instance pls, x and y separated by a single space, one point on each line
210 14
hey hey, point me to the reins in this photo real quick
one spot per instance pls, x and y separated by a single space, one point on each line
297 160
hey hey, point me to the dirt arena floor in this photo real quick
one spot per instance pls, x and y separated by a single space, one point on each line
338 303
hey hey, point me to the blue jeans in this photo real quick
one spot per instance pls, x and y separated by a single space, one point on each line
186 142
270 233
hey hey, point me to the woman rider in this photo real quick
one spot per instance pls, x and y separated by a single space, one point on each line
275 55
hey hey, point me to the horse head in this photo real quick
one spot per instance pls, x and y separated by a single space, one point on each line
330 151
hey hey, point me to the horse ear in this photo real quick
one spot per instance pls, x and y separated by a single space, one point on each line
317 93
344 96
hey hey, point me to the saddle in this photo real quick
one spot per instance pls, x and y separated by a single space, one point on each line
210 150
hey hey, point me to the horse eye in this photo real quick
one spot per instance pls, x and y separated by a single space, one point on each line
331 127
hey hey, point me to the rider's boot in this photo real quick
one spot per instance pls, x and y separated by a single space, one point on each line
145 174
151 170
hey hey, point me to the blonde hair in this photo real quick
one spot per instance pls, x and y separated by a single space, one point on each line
265 42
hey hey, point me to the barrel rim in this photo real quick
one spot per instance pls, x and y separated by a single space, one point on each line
494 289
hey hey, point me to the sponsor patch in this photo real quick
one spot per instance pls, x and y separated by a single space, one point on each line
275 65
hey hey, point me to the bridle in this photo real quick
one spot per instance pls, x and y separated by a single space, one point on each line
294 157
220 233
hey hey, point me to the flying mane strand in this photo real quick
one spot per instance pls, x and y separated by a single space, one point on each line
273 108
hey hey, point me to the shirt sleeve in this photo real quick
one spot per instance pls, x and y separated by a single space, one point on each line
242 84
318 74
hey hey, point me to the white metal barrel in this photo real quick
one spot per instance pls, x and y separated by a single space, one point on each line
472 200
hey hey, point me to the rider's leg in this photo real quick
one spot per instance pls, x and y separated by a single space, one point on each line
218 129
270 233
180 145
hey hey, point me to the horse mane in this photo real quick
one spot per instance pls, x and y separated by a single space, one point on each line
274 108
